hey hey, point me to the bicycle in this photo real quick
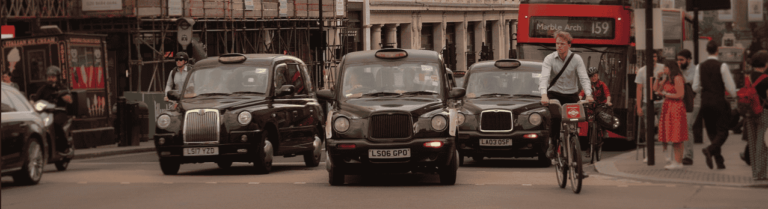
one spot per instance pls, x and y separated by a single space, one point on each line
568 162
595 133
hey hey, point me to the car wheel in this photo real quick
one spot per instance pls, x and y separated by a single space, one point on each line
264 154
224 164
335 176
169 168
312 159
448 172
32 169
63 164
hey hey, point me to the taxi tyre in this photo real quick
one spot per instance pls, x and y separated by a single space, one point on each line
224 164
312 159
32 170
169 167
461 160
264 152
335 176
448 172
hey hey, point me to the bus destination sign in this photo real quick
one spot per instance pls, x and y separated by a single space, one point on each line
578 27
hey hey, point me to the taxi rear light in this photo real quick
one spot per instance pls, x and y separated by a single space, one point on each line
530 136
433 144
391 54
346 146
508 63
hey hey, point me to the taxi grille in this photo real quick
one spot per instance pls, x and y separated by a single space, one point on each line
201 126
496 121
391 126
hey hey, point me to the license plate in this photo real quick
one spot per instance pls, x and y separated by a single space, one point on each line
389 153
495 142
201 151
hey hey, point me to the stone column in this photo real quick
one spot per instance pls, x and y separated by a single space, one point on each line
461 45
375 37
438 36
367 39
479 38
407 36
497 43
507 39
391 31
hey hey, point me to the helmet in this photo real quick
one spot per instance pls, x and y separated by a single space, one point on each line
182 55
53 71
591 71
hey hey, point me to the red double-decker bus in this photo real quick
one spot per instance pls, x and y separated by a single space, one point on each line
601 35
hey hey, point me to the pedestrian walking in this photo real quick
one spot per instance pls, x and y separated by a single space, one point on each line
755 127
712 79
689 71
673 126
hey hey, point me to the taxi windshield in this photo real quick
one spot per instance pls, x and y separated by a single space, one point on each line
503 83
227 80
391 79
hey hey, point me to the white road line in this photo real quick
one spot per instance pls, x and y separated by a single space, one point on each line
210 182
253 182
82 182
300 183
480 184
125 182
167 182
623 185
527 185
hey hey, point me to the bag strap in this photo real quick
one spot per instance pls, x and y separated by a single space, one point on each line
763 76
552 83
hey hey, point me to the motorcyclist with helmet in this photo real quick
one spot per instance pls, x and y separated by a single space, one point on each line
58 94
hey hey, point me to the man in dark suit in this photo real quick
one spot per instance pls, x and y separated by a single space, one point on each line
712 79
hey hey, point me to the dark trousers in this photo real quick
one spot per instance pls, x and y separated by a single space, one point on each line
716 118
698 129
555 112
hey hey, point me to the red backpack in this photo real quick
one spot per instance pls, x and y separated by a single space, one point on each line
749 102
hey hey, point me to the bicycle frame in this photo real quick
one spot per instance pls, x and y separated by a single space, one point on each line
572 114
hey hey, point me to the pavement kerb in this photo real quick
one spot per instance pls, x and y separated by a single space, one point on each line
91 154
608 167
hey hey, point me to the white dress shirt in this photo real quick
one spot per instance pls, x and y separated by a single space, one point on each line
566 84
730 87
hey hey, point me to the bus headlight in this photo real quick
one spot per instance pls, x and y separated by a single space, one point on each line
439 123
163 121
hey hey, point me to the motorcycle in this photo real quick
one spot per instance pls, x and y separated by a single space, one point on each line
58 124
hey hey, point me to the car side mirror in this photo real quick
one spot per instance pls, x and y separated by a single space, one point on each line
173 95
457 93
325 94
286 90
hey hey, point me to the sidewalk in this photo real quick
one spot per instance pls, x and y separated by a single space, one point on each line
736 172
113 149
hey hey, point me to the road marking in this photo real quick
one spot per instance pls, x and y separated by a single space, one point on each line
253 182
672 185
210 182
527 185
125 182
623 185
480 184
82 182
300 183
167 182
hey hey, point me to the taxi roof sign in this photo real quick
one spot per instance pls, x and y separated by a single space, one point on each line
232 58
507 63
391 53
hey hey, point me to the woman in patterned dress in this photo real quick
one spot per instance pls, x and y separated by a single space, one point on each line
673 126
758 152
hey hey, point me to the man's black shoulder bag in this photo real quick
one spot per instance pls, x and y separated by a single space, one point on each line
554 80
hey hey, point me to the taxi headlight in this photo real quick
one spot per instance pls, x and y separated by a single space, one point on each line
244 117
341 124
439 122
460 118
163 121
534 119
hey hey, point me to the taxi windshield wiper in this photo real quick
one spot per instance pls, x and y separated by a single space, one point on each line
247 92
494 95
376 94
419 92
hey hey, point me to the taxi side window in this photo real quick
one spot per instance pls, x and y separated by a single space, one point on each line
280 72
307 77
295 77
6 103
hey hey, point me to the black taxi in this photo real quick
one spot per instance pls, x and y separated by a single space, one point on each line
502 115
390 114
241 108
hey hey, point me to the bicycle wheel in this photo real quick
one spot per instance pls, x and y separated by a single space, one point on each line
598 154
561 169
575 170
593 146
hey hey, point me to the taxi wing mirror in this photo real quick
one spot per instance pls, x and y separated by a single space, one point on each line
173 95
286 90
325 94
457 92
